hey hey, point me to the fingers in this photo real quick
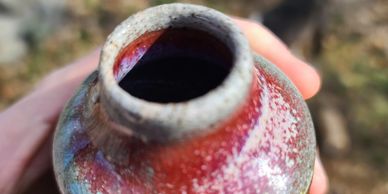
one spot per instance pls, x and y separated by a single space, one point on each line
76 71
320 183
263 42
60 85
27 124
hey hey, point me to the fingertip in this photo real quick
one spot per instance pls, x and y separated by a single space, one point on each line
304 76
263 42
320 184
311 82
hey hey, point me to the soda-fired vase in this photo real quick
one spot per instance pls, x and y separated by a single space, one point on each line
179 104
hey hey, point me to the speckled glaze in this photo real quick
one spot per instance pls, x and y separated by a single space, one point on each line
251 134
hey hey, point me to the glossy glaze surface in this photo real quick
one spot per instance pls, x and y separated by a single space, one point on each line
268 145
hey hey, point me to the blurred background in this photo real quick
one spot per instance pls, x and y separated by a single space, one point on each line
346 40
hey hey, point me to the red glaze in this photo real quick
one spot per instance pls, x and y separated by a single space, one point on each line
253 151
177 165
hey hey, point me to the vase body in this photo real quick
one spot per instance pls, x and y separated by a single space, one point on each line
265 144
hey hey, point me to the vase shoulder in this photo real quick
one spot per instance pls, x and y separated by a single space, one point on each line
268 144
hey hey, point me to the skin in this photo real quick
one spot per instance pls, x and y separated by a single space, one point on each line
26 127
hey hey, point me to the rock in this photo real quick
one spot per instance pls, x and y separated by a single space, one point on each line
23 22
12 47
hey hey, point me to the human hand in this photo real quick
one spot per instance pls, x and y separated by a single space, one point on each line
26 127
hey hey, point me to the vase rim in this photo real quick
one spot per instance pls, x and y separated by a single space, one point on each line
169 121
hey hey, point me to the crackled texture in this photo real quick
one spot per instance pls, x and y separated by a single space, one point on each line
267 146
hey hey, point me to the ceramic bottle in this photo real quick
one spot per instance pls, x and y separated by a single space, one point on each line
180 104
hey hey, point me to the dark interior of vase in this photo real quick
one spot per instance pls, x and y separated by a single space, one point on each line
173 65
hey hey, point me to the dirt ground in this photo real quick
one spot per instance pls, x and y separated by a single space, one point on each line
352 60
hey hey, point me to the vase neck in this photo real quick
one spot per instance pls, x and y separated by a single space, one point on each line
174 71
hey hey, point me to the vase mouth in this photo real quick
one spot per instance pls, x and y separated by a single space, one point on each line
173 65
157 120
